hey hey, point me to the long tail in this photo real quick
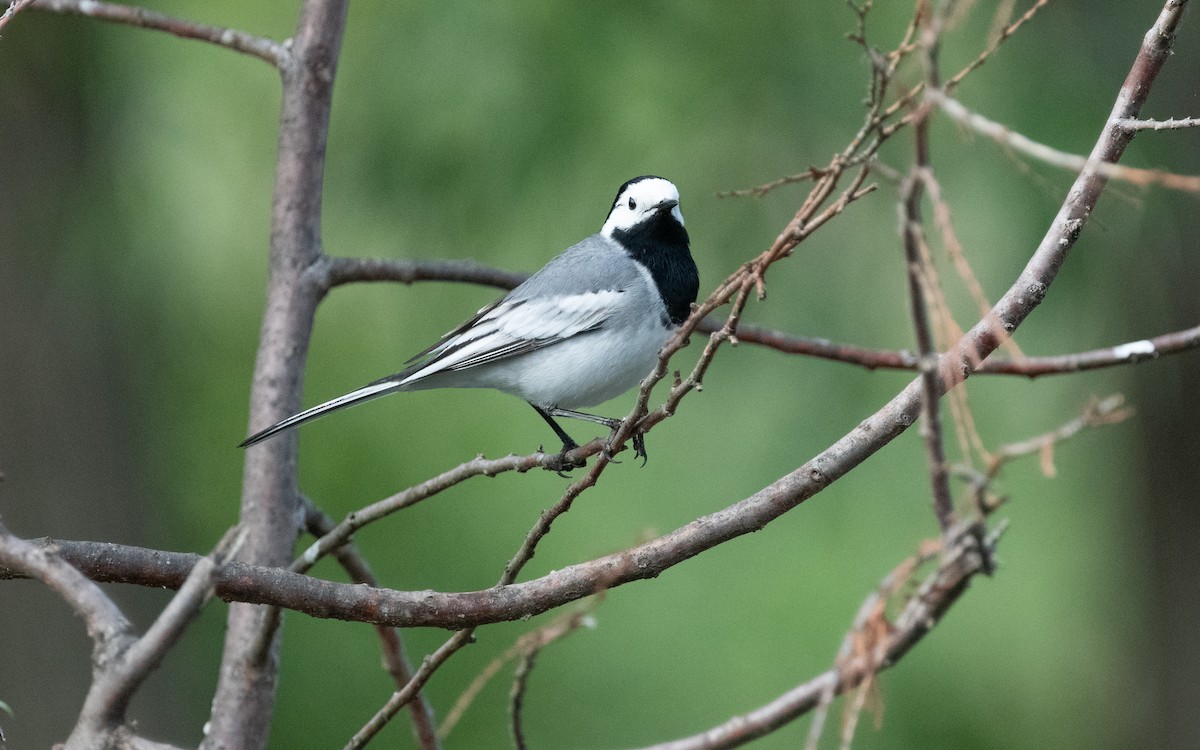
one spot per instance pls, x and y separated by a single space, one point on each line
366 393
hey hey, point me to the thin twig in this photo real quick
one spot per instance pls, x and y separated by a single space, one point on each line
14 7
534 640
1168 124
999 39
406 694
912 234
1097 412
479 466
1052 156
344 270
239 41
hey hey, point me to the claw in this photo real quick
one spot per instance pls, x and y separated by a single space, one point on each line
560 463
639 447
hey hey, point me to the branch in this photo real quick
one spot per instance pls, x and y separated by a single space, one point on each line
873 643
116 681
919 287
1098 412
343 270
238 41
528 643
14 7
1170 124
407 271
110 631
406 694
243 706
1052 156
479 466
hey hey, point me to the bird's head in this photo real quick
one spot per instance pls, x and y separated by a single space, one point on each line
641 201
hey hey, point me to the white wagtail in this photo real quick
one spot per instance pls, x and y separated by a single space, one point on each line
585 328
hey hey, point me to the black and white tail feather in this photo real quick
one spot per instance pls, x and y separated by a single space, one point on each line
585 328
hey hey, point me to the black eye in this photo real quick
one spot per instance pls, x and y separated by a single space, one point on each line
632 204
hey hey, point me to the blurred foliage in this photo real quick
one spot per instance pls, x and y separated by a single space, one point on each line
134 199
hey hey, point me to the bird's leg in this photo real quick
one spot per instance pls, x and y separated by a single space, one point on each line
639 439
559 463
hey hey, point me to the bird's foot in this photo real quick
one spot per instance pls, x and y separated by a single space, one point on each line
639 447
560 464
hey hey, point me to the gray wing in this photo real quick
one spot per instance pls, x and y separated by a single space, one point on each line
574 293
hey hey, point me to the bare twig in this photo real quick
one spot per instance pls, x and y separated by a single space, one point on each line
406 694
530 642
479 466
1098 412
1168 124
14 7
239 41
513 568
1014 140
997 40
919 286
343 270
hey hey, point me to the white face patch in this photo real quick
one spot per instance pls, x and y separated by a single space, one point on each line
638 201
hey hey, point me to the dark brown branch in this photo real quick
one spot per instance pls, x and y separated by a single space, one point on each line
238 41
342 270
1031 367
350 270
912 235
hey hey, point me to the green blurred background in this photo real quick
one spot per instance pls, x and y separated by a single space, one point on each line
135 180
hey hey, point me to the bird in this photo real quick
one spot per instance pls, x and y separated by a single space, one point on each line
583 329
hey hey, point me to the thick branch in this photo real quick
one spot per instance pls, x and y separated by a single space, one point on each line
243 706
